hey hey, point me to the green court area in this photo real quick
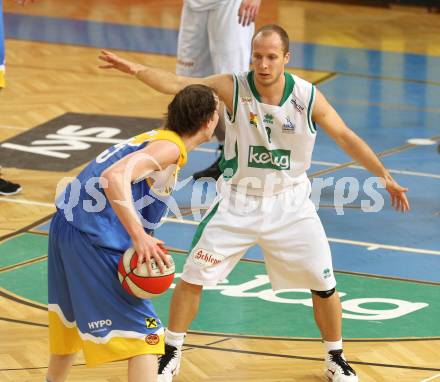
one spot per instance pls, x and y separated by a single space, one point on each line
22 248
245 303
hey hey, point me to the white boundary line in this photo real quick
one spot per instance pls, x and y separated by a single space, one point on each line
206 150
180 221
430 379
404 172
25 201
373 246
13 127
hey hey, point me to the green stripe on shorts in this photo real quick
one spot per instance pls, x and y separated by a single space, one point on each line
202 226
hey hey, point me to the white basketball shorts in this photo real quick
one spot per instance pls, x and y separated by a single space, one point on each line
286 227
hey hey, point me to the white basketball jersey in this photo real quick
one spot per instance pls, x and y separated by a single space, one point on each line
268 147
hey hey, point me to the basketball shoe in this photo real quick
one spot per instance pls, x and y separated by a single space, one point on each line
8 188
338 369
169 363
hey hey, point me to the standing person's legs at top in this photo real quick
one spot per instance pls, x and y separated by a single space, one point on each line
212 41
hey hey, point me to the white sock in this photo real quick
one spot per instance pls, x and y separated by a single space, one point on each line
333 345
174 339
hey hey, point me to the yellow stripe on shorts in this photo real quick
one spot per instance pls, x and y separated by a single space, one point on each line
62 339
119 348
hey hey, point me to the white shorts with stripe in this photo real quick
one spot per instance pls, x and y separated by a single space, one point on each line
286 227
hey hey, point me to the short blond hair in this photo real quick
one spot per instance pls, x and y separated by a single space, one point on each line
268 29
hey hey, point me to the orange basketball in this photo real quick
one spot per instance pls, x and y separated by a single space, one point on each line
140 283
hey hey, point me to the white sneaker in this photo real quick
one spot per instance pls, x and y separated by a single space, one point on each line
169 364
338 369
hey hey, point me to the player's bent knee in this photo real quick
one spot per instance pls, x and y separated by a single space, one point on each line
325 293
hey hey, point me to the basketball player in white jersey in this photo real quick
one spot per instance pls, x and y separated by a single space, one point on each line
215 38
270 134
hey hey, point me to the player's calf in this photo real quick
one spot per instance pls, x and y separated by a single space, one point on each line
337 368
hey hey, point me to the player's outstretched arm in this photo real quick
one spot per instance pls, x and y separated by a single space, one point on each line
167 82
330 121
159 79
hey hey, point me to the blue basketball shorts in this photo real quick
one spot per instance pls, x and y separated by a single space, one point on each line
88 309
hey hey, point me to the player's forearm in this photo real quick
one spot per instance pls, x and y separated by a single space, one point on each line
161 80
120 198
157 78
356 148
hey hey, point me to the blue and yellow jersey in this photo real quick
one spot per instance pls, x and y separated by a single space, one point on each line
86 207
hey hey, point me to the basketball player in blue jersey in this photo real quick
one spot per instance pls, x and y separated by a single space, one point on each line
113 204
270 133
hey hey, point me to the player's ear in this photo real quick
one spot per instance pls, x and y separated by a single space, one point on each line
205 127
286 57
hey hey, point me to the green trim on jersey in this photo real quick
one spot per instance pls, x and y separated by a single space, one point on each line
201 227
288 86
250 80
311 123
229 163
235 105
234 101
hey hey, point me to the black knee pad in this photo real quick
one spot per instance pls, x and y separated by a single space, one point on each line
325 293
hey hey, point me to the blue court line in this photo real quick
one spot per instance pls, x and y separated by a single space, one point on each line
164 41
91 33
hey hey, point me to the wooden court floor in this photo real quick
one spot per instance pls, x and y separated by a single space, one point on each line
46 80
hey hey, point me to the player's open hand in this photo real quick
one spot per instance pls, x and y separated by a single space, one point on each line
248 11
149 248
115 62
397 194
